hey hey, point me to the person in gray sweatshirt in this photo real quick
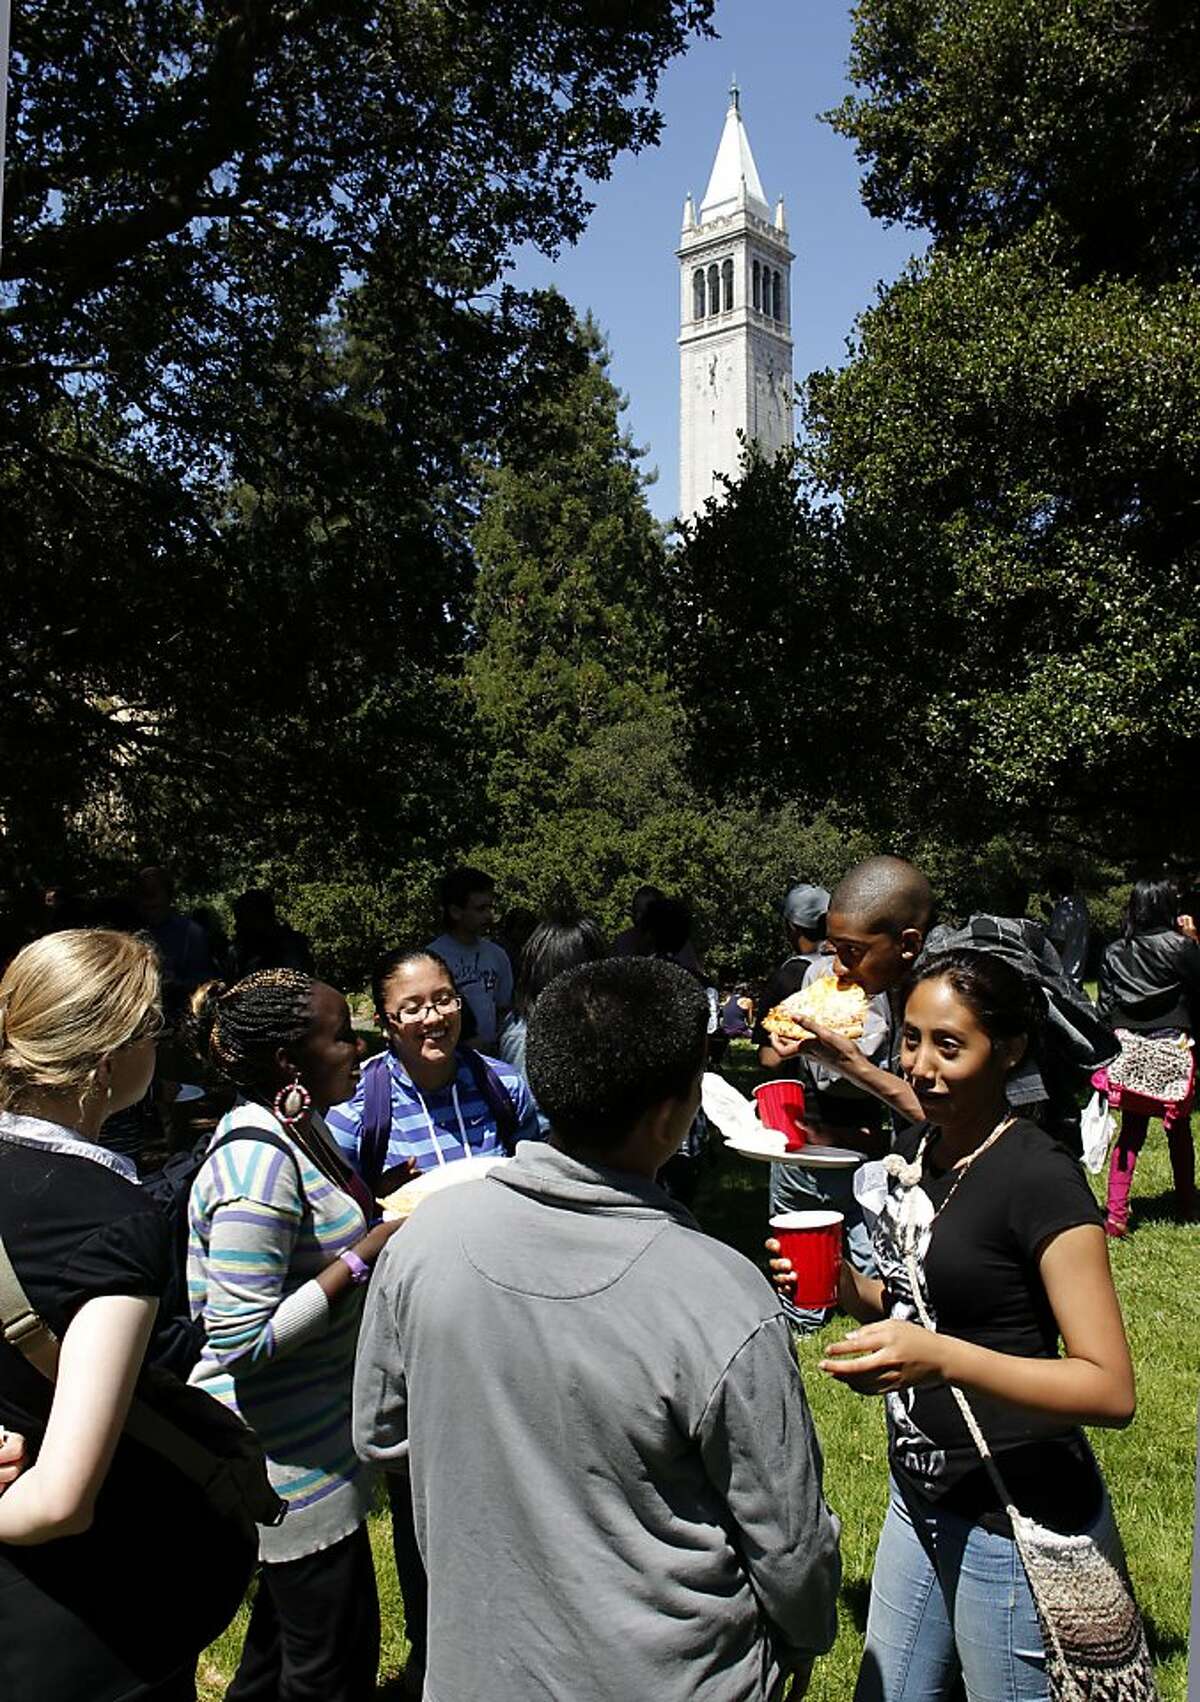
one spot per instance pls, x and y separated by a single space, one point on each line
615 1477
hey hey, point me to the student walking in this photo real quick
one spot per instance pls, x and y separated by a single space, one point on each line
1150 993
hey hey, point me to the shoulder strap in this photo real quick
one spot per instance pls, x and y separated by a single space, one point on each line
252 1132
496 1096
22 1327
33 1337
376 1119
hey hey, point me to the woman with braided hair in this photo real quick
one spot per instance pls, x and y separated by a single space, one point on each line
279 1250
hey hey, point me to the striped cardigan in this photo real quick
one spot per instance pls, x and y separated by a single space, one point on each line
261 1225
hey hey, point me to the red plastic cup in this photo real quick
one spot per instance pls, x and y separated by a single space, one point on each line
781 1106
812 1240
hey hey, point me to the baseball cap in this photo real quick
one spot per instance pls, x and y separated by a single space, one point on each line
806 907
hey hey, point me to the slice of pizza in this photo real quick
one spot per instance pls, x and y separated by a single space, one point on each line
840 1005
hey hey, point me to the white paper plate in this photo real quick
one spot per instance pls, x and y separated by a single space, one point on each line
447 1176
807 1158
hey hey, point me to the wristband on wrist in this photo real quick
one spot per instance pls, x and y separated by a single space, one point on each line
359 1271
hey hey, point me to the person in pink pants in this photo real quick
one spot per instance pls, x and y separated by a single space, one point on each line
1150 986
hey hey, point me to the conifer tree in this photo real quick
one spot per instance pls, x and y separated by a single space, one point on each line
568 600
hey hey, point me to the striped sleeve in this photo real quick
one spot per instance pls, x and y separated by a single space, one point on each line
247 1196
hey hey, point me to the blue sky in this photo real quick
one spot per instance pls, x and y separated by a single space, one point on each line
790 60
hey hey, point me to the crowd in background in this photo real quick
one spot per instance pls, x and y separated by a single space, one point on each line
551 1312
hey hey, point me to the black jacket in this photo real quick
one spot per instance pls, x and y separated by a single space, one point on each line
1151 981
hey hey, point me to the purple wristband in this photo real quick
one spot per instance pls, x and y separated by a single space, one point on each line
359 1272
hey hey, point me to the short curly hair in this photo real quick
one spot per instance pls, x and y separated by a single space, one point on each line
609 1040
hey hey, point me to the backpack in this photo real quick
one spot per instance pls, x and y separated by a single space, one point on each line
1076 1041
377 1110
180 1344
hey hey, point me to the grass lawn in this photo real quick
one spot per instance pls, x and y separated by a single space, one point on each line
1149 1467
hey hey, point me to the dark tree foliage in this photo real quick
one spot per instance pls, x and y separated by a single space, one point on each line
1015 459
982 117
753 600
570 638
252 343
1011 449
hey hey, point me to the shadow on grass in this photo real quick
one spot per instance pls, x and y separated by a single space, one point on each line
1153 1208
1164 1645
733 1203
856 1599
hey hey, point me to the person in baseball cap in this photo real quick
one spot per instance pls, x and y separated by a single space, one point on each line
804 910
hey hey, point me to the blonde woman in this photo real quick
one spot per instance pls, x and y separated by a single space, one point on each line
105 1550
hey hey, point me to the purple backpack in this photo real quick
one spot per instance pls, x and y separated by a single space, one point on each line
377 1109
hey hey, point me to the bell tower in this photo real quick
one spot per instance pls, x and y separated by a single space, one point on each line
735 321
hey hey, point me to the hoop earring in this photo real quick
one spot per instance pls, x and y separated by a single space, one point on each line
292 1103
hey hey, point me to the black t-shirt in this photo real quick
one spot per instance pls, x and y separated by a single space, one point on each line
983 1286
130 1599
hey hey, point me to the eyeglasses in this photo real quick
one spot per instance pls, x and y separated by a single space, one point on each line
444 1005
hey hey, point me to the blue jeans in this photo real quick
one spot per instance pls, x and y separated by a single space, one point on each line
949 1597
793 1189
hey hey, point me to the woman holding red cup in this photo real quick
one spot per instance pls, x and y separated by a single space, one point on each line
994 1223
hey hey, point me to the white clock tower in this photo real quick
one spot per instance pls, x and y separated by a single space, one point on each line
735 337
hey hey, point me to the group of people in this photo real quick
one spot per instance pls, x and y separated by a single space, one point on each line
602 1471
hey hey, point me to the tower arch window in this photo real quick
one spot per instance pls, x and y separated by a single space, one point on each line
757 287
698 293
776 296
714 289
727 285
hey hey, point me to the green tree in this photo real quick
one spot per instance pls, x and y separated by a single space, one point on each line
753 595
1012 447
568 601
252 340
982 117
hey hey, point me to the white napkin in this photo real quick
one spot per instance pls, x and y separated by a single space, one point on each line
734 1114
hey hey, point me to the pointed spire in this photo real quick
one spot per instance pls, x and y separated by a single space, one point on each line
735 94
734 183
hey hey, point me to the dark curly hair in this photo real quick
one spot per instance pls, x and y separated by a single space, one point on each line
238 1029
608 1040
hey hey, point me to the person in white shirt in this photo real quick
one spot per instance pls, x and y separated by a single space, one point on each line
481 969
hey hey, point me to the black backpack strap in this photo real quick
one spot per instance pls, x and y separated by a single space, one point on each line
495 1095
251 1132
